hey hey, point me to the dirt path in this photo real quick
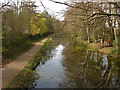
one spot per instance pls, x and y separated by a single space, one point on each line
13 68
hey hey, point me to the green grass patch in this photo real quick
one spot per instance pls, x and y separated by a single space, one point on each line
45 46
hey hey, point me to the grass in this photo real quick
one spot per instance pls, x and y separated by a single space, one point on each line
27 76
81 45
45 45
105 50
94 46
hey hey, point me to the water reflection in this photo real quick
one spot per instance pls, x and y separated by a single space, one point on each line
52 72
90 70
67 68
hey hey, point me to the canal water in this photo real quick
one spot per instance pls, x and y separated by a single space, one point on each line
65 67
51 72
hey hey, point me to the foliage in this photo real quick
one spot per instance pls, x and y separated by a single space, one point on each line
49 21
14 43
38 25
21 26
115 50
98 28
15 22
78 45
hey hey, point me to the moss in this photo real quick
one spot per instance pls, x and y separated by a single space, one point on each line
27 76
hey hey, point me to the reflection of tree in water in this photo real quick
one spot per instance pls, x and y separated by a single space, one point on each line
90 70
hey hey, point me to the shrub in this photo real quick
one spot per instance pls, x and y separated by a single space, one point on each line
13 43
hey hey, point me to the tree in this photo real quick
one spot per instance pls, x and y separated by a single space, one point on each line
38 25
91 13
49 21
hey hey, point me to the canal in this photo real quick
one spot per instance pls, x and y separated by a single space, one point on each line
65 67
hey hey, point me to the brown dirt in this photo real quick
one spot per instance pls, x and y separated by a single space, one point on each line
11 69
97 46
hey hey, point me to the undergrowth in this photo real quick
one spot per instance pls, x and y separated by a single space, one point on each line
78 45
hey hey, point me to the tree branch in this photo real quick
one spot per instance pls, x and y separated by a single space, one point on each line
66 4
5 5
42 4
106 14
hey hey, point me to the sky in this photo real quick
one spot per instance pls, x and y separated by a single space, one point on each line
51 7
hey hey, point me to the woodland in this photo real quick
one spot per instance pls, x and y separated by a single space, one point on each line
88 27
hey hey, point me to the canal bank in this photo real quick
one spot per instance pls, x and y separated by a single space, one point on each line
26 76
110 51
66 67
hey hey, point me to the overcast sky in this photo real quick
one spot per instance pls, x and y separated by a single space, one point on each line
51 7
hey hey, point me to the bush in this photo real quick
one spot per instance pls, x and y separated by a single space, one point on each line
13 43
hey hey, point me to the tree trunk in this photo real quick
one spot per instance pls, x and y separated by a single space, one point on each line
115 33
102 39
112 37
88 32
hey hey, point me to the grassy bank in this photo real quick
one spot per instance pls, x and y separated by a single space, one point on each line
83 45
110 51
27 76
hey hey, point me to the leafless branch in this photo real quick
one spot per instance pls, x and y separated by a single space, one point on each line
42 5
5 5
66 4
106 14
